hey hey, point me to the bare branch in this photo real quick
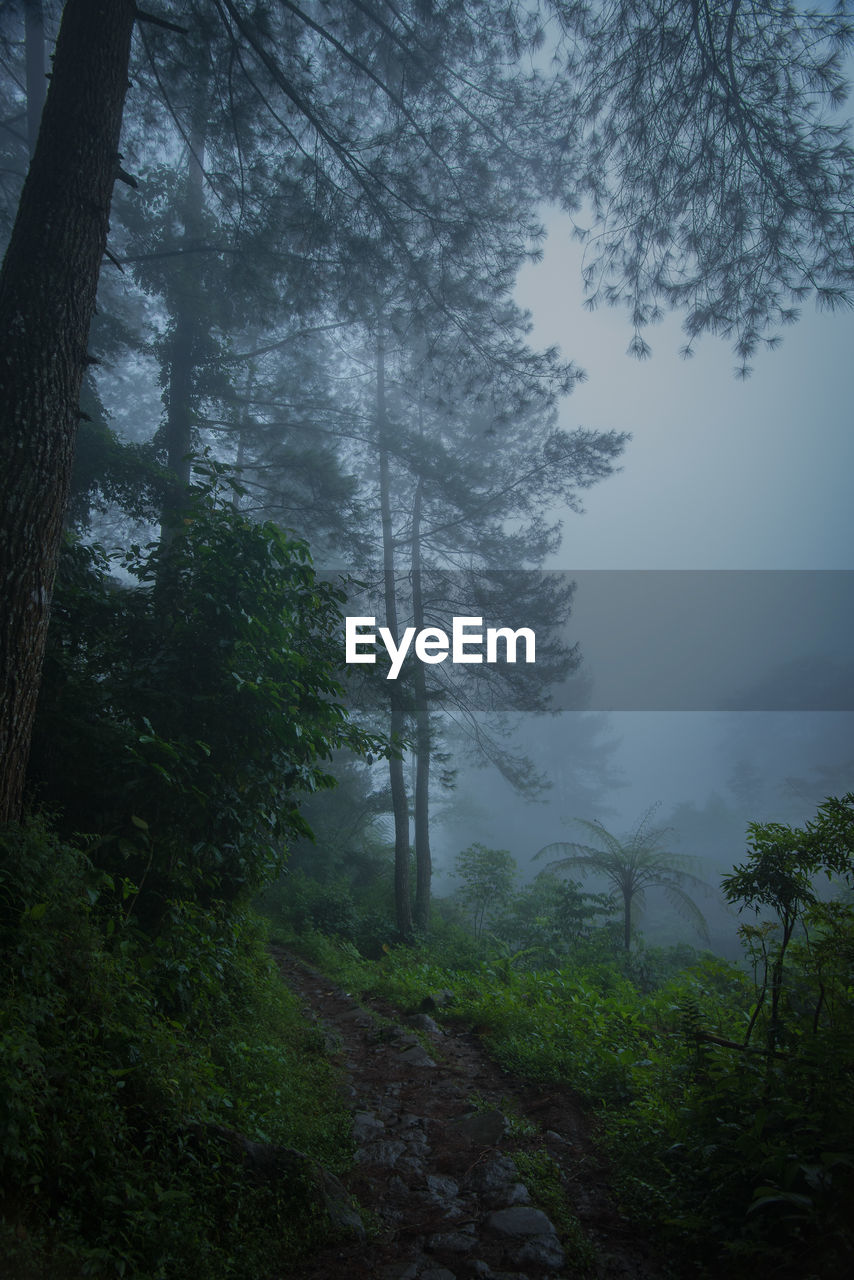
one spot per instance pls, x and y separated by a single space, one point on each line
141 16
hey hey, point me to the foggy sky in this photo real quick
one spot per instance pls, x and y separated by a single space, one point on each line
720 474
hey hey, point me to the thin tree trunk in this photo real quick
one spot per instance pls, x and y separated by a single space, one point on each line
400 803
775 1023
185 338
47 297
244 422
423 861
36 78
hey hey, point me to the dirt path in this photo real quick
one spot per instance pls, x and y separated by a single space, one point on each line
436 1124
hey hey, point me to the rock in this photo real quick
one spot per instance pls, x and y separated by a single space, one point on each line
399 1036
545 1251
518 1194
416 1141
358 1017
385 1154
417 1057
344 1218
521 1220
437 1000
417 1152
424 1022
479 1269
494 1180
442 1189
484 1128
366 1126
453 1241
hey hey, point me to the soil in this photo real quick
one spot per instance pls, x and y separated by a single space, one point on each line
436 1123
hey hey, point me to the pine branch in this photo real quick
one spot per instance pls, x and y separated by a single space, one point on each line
140 15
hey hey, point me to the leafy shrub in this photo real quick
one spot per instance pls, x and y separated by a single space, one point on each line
123 1060
203 702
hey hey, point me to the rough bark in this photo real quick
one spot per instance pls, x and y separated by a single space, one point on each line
397 780
47 298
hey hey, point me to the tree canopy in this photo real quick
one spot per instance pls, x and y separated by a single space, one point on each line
307 167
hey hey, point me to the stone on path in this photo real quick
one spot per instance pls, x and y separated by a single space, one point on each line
484 1128
366 1126
521 1220
415 1056
384 1154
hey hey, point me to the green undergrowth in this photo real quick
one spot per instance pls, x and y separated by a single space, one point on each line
732 1158
133 1065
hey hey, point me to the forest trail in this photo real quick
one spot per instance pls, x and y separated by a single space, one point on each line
436 1123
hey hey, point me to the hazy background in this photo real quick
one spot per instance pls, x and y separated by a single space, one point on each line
720 474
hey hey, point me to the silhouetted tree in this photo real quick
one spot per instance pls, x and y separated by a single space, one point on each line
47 297
631 865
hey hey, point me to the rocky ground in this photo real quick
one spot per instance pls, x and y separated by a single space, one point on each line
436 1126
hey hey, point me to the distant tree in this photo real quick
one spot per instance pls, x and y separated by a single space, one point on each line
800 794
746 784
631 865
468 459
487 877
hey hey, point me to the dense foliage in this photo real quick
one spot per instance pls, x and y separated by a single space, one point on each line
132 1071
723 1092
185 711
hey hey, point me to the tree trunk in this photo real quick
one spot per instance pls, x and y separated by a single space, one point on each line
423 861
187 316
399 800
47 297
36 77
